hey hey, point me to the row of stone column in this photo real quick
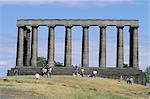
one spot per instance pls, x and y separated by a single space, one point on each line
23 46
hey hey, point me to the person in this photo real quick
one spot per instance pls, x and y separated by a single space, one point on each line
82 72
49 72
89 75
76 70
94 73
16 72
74 74
46 66
120 79
44 71
131 79
127 80
37 75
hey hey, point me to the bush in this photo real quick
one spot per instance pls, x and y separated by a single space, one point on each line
58 64
125 65
147 74
42 60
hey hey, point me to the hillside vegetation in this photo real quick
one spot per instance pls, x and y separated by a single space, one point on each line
68 87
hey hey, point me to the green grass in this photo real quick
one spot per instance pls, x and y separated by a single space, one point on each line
68 87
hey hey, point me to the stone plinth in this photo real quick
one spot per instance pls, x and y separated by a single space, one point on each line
113 73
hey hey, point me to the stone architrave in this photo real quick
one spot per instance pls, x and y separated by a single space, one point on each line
85 47
68 47
102 47
34 46
120 47
51 45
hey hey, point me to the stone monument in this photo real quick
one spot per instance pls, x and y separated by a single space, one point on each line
26 60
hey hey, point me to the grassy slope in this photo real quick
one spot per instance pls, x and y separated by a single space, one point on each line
68 87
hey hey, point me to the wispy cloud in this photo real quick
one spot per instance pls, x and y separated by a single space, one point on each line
3 62
67 2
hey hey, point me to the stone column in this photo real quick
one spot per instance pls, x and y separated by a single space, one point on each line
51 46
120 47
133 59
68 47
85 47
20 43
102 47
27 47
34 46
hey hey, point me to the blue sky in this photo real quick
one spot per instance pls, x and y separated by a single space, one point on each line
11 10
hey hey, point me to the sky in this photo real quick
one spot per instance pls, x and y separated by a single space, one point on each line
11 10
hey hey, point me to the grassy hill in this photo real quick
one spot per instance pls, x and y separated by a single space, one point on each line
68 87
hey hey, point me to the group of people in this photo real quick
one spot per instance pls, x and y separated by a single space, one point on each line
82 72
45 70
129 80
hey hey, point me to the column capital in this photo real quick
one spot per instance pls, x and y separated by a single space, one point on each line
20 26
85 26
28 28
34 26
68 26
134 26
120 26
102 26
51 25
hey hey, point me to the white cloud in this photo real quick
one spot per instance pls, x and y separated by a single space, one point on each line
3 62
66 2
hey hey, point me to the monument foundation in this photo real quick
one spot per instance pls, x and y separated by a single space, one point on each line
113 73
